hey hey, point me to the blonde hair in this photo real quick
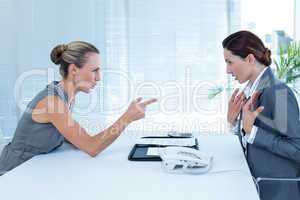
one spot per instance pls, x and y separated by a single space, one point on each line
73 53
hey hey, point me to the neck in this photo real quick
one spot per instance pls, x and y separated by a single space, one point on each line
69 88
257 70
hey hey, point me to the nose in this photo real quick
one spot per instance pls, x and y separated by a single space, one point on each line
97 78
228 71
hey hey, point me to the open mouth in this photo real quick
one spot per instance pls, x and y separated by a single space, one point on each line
233 77
93 85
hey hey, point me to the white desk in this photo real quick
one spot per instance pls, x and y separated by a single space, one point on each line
71 174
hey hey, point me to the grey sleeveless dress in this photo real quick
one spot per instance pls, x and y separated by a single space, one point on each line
32 138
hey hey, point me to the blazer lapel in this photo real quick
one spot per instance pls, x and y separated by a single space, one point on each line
266 80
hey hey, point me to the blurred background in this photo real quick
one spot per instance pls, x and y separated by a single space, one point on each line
168 49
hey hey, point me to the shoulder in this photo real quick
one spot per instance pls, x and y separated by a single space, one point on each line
54 104
277 90
276 94
46 107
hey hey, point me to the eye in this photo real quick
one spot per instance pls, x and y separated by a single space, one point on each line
96 70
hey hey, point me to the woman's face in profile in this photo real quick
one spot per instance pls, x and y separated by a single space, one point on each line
86 78
237 67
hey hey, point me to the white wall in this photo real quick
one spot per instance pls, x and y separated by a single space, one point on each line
29 31
297 20
153 37
8 64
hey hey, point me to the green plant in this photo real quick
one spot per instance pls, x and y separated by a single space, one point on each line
218 89
288 64
213 92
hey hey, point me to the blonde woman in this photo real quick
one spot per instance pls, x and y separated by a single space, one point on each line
47 120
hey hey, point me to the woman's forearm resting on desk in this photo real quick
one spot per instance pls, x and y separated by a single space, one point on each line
108 136
93 145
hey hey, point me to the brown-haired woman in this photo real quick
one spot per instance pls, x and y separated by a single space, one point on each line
265 116
47 120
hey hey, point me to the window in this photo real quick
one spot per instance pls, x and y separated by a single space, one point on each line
168 49
273 21
173 52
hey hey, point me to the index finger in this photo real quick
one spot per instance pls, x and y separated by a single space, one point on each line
247 104
234 94
150 101
239 97
254 97
258 110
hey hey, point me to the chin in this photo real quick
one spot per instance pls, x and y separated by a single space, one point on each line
85 90
242 81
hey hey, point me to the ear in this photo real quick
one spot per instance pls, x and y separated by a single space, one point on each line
72 69
250 58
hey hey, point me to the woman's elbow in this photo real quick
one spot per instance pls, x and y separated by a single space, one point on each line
91 148
92 152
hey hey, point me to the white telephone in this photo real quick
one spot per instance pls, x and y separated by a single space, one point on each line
185 160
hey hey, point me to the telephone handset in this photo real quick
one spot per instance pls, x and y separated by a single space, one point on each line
185 159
